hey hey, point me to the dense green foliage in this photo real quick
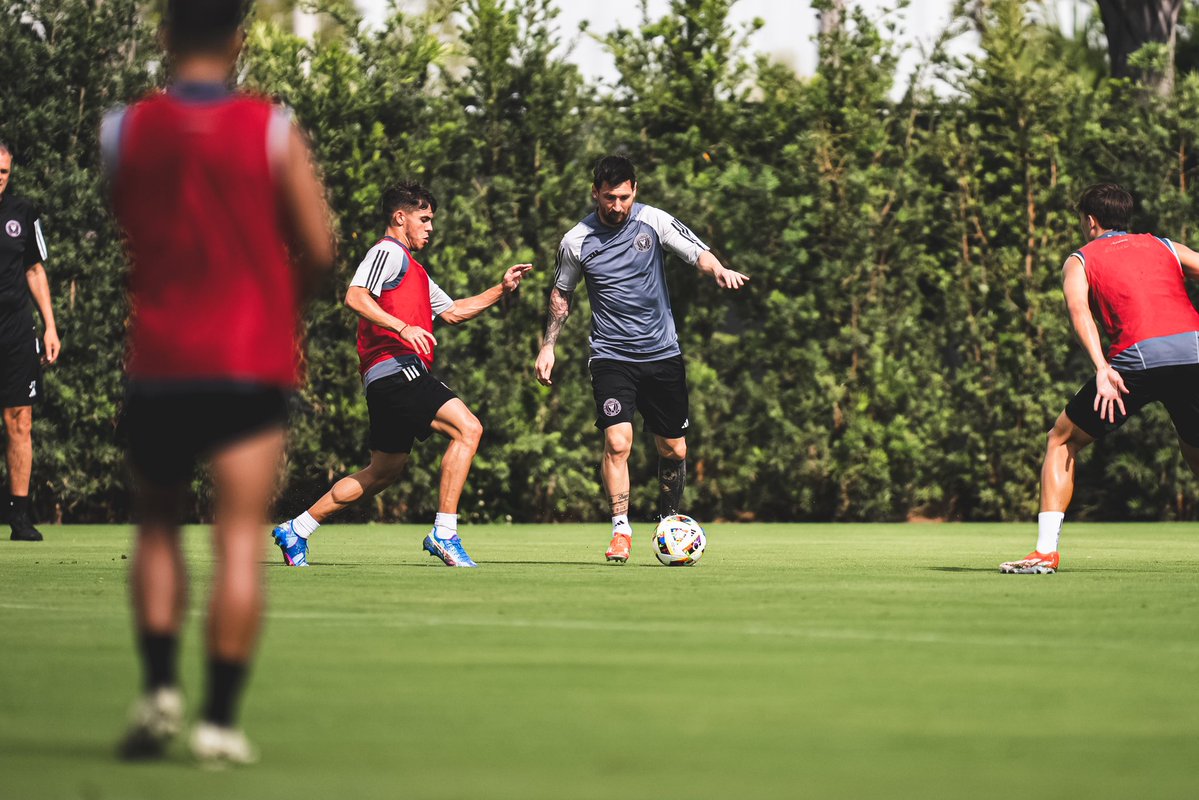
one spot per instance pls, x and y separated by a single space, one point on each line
857 661
902 347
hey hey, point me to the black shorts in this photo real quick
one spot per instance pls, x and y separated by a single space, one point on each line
20 369
168 429
1176 387
401 410
657 389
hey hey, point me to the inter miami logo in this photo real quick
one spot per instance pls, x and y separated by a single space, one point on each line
642 243
13 228
611 407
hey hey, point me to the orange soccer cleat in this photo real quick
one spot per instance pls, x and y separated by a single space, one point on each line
1033 564
618 550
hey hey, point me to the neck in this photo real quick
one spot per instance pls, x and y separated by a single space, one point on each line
203 69
398 235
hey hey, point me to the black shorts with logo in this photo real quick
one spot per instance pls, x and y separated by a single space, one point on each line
1176 387
20 368
657 389
168 428
401 410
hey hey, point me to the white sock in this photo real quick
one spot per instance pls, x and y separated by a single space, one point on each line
620 524
445 526
304 525
1049 530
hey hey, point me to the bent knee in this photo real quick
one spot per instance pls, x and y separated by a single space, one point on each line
470 432
1065 433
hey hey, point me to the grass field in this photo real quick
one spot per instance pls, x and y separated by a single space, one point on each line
794 661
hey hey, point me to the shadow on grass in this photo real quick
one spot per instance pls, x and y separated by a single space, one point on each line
963 569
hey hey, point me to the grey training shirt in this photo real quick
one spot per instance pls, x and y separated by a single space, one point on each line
631 318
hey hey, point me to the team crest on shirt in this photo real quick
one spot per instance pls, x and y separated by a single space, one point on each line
642 243
611 407
13 228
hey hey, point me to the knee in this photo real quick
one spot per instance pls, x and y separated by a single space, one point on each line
471 433
618 447
1065 434
18 422
675 451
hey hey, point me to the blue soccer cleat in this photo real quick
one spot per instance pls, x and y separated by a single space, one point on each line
448 550
294 546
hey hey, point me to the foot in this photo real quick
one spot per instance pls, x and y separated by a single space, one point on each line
450 550
293 545
214 746
153 721
618 550
25 532
1033 564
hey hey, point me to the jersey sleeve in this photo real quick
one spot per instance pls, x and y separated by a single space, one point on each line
438 299
35 243
383 264
569 267
674 235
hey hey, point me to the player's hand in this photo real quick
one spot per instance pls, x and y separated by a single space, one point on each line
1109 392
514 276
421 340
53 346
545 366
729 279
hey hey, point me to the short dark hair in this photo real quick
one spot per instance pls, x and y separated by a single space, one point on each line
202 25
613 171
1109 203
406 195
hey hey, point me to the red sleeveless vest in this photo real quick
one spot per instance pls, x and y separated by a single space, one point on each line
408 301
1137 289
213 292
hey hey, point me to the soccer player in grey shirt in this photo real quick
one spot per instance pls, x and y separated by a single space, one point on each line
636 362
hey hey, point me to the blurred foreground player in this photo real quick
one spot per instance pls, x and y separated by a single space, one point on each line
396 300
226 230
1135 284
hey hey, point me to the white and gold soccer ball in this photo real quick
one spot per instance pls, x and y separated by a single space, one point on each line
679 541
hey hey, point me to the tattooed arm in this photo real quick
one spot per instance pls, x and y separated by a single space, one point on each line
559 310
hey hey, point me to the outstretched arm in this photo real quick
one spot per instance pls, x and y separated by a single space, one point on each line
559 310
725 278
471 307
1110 387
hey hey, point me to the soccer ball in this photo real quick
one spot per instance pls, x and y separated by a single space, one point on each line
679 541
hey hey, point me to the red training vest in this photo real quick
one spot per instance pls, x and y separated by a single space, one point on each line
213 292
1137 289
408 301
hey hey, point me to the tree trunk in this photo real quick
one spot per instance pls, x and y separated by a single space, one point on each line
1131 24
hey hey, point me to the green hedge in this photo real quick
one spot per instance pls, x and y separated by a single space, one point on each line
902 348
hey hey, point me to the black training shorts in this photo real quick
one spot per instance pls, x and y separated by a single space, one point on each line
20 369
402 410
1176 387
657 389
167 429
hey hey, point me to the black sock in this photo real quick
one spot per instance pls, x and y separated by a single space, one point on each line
225 681
159 657
18 510
672 478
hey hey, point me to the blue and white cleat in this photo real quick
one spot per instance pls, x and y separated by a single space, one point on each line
450 551
294 546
